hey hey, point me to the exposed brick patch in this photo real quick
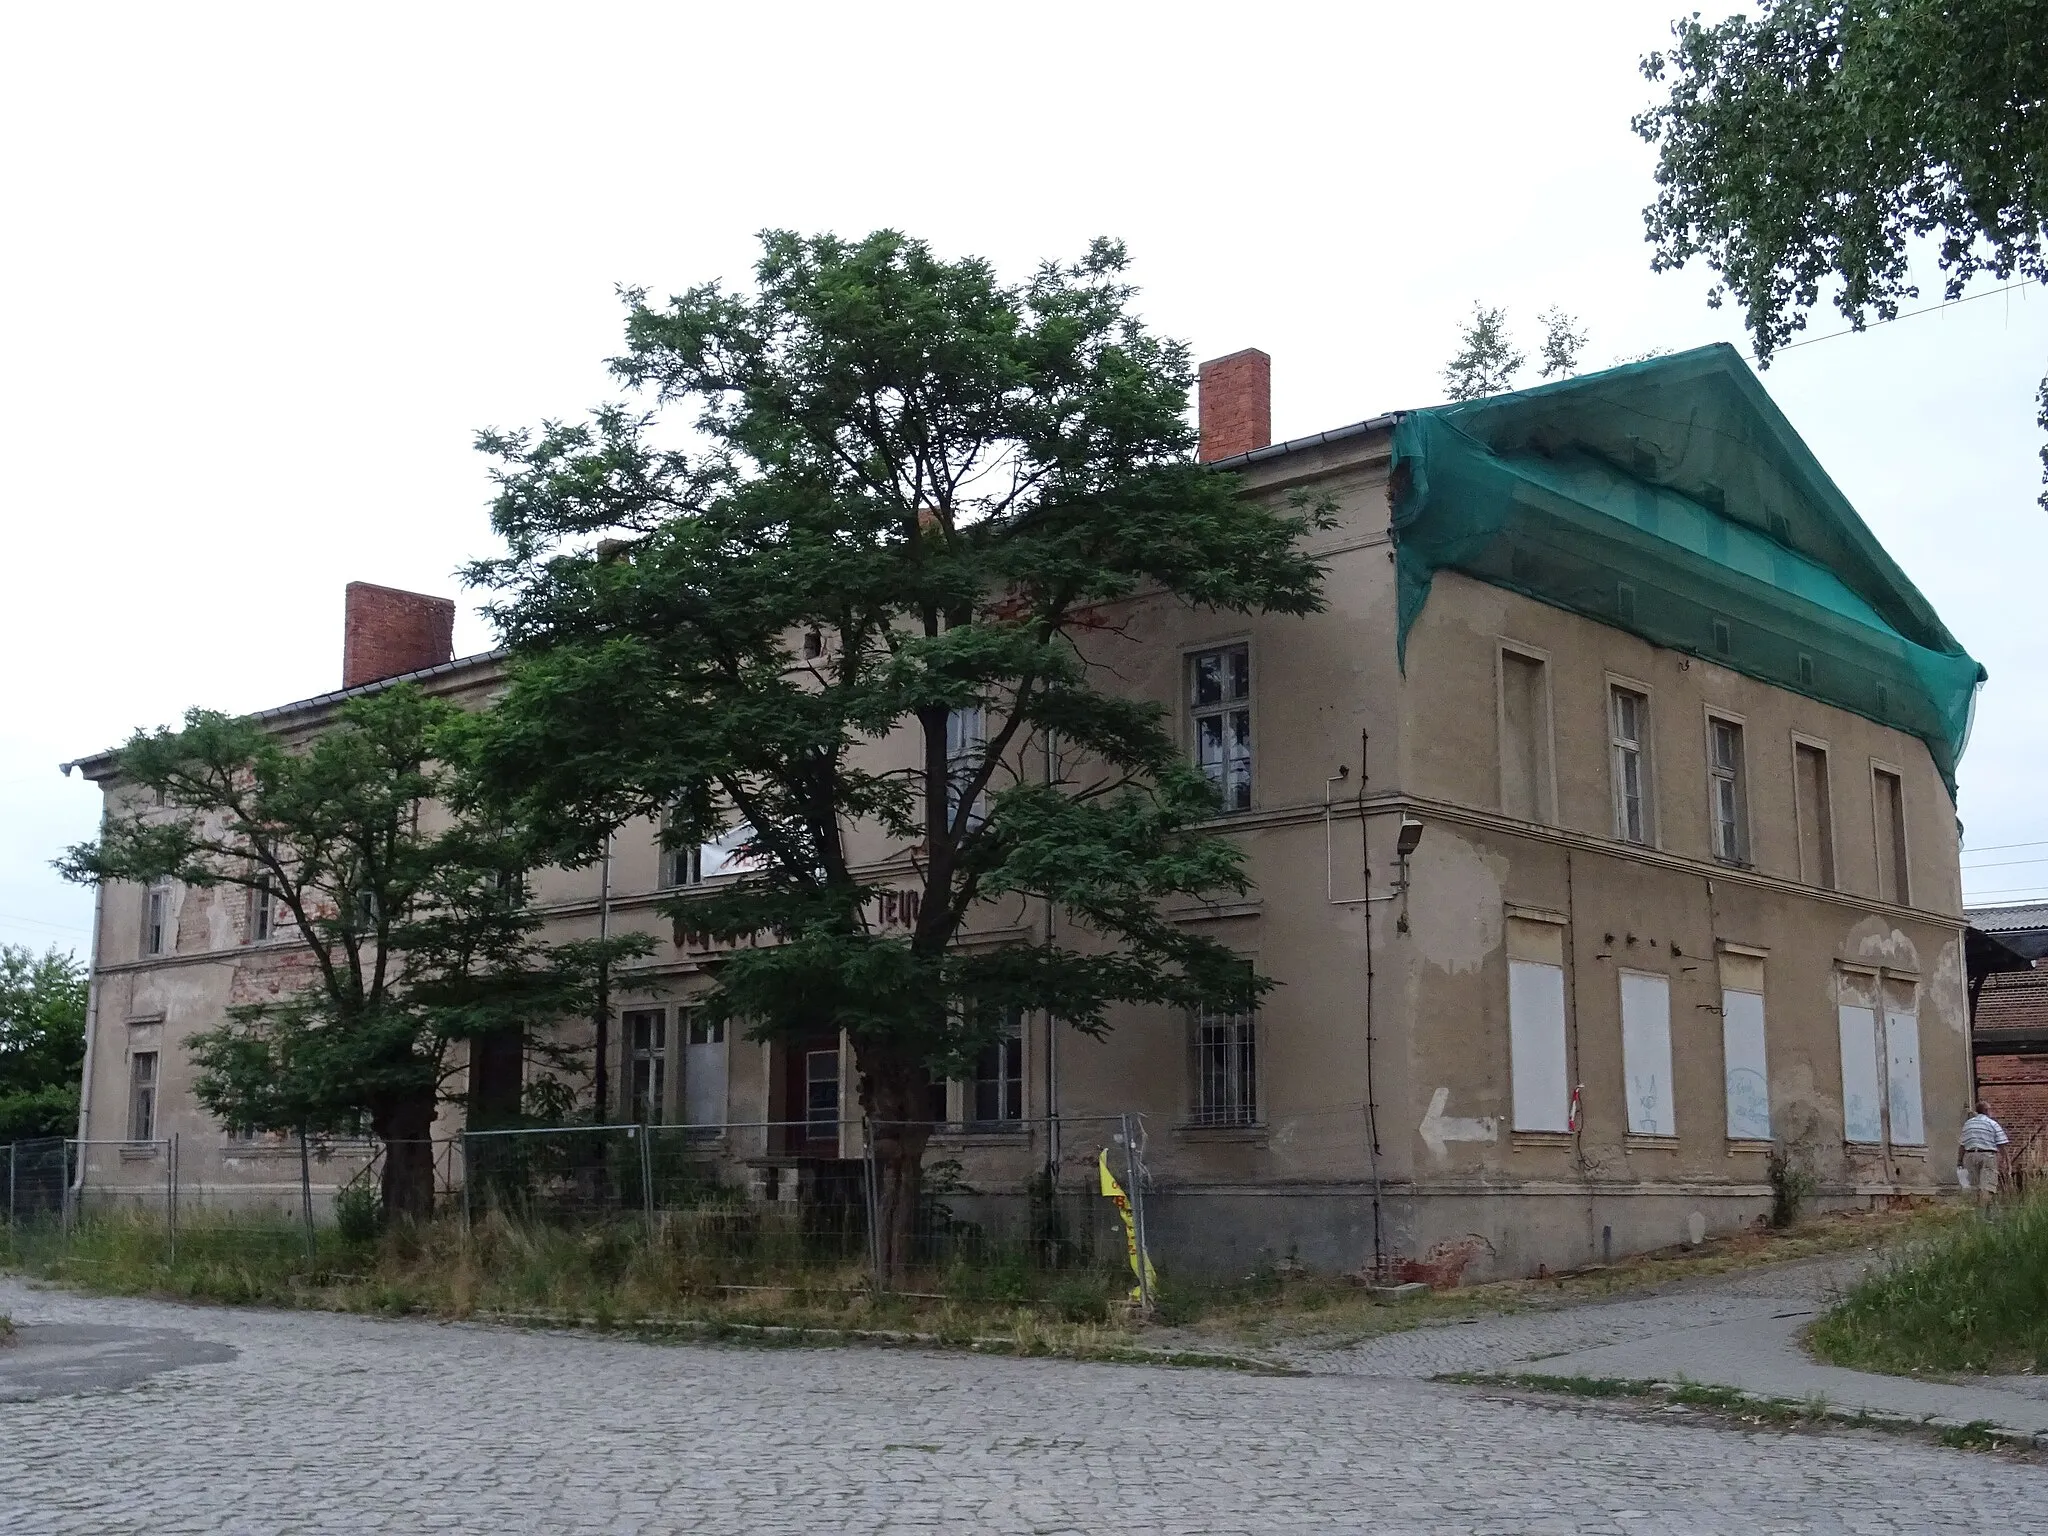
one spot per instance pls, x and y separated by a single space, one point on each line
388 632
1236 404
1444 1265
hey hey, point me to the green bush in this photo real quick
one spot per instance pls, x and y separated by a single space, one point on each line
358 1213
1974 1299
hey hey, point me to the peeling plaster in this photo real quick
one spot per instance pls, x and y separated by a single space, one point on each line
1949 991
1454 900
1876 942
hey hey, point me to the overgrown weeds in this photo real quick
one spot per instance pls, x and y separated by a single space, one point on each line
1973 1297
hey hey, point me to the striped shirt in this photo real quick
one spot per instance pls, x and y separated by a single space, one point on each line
1981 1133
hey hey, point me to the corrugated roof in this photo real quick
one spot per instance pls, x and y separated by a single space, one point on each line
2009 919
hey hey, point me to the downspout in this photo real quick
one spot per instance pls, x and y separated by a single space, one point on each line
1052 1031
92 1011
601 1014
1372 1121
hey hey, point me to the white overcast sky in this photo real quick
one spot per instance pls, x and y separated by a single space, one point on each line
267 268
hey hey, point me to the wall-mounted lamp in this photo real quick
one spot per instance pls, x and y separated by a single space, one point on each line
1411 834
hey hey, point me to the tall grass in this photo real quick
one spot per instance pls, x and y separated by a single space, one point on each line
1974 1298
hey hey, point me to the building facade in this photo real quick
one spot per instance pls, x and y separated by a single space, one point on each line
1601 838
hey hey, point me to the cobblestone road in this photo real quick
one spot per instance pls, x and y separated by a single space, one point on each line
328 1424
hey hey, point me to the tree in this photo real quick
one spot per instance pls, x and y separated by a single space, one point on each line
1825 139
411 927
1562 343
865 613
1486 362
42 1042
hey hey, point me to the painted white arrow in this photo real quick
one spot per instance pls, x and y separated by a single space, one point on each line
1438 1128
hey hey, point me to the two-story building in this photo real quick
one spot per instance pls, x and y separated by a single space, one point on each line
1603 837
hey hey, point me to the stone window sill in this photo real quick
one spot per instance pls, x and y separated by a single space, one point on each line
1223 1133
140 1154
1749 1148
1635 1143
1536 1139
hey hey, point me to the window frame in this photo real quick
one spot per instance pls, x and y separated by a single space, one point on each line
1742 856
262 926
1646 757
157 937
1239 1047
1546 742
1012 1075
1193 715
1901 894
963 761
652 1057
1830 850
144 1093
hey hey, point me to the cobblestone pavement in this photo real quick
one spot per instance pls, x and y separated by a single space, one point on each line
324 1423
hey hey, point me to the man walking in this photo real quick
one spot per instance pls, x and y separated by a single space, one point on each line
1980 1143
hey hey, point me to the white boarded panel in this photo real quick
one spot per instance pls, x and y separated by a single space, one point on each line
1862 1104
1742 1055
1536 1054
1646 1053
1902 1051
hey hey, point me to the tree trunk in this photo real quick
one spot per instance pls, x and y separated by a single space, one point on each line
406 1128
896 1100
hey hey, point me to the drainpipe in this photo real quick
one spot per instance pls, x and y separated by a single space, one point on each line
92 1017
601 1014
1052 1029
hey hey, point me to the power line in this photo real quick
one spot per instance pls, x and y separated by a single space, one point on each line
2006 847
2011 890
1906 314
2008 863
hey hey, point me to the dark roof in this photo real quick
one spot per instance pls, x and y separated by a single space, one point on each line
2013 1000
2010 919
100 762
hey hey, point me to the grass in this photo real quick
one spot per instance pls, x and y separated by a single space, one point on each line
1733 1406
1274 1309
1973 1297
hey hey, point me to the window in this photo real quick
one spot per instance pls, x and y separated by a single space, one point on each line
1888 791
366 910
262 909
1226 1066
1815 809
1220 693
1902 1063
1726 791
1525 774
647 1047
821 1095
725 854
1856 1018
1646 1053
1537 1063
703 1067
142 1096
1629 713
156 918
510 885
1742 1048
998 1085
966 741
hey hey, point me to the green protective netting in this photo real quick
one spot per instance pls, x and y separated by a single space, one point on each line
1672 499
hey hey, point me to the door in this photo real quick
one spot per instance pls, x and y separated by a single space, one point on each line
703 1071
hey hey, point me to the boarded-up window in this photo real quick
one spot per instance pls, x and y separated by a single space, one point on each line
1742 1048
1816 816
1525 738
1902 1064
1646 1053
1536 1035
1862 1098
1890 797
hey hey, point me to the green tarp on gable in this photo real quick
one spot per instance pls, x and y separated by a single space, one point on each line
1672 499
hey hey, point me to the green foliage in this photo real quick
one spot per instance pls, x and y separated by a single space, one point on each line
1486 361
42 1042
1792 1183
411 931
358 1214
1823 140
937 479
1563 343
1973 1299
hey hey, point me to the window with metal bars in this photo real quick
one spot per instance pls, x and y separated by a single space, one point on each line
1226 1068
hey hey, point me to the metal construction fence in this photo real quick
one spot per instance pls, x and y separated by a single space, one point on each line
1007 1196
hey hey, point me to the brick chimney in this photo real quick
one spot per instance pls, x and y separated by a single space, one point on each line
1236 394
388 632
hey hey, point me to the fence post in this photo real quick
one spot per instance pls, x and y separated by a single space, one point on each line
646 1135
171 1196
11 1146
874 1201
306 1192
1136 1195
64 1190
462 1137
